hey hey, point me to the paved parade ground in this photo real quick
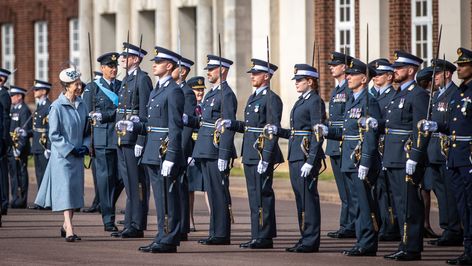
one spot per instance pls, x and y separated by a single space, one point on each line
31 237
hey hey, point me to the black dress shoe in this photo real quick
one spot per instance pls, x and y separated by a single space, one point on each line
183 237
441 242
346 234
334 234
405 256
215 241
118 233
305 249
132 233
246 244
200 241
392 256
4 211
358 252
262 243
429 233
461 260
146 248
110 228
163 248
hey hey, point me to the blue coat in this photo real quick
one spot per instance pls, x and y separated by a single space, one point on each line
62 187
337 106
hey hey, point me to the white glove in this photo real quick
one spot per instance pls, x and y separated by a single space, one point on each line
410 166
166 167
222 165
306 169
262 167
16 152
271 129
21 131
134 119
120 125
363 171
372 123
96 116
138 150
320 128
430 126
185 119
223 123
47 154
190 161
125 124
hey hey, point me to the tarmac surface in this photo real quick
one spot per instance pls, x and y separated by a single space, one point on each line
31 237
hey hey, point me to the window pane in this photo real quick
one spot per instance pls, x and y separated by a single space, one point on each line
425 50
418 9
348 13
425 8
341 14
348 37
425 32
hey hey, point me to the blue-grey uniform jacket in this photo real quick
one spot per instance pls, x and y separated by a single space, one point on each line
214 102
189 109
41 127
337 106
21 117
256 116
307 111
6 103
164 119
104 134
135 89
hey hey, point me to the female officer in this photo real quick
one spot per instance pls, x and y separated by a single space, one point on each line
305 156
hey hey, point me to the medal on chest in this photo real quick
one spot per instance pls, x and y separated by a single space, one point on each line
442 106
212 102
340 98
355 113
256 108
402 103
465 103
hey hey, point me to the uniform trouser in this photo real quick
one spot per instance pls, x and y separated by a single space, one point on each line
387 228
18 180
449 219
365 232
461 186
4 180
165 191
264 199
347 216
40 163
135 183
310 203
408 205
219 198
184 203
96 198
105 162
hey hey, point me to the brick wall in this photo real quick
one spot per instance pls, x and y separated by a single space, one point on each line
324 36
400 26
22 14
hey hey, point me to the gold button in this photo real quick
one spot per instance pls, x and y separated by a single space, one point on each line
462 94
454 145
455 119
453 132
458 106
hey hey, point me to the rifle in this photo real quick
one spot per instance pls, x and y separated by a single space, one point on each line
92 121
217 134
122 132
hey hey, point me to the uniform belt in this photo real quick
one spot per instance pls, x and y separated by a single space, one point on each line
295 132
128 111
253 129
206 124
158 129
336 123
436 135
351 137
460 138
40 130
391 131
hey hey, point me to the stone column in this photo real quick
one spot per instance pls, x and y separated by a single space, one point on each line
163 23
123 23
204 35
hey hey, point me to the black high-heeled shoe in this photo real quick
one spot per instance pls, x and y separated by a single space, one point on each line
63 232
76 237
70 238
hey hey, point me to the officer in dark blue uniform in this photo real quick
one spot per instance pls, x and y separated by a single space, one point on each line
360 160
5 134
162 157
215 150
449 219
459 152
404 154
180 75
41 146
133 97
383 91
337 103
20 132
101 99
260 153
2 143
305 155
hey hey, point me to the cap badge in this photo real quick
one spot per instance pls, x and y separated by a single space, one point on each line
459 51
295 70
200 82
113 57
395 56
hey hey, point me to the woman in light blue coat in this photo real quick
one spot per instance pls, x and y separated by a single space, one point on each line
62 188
